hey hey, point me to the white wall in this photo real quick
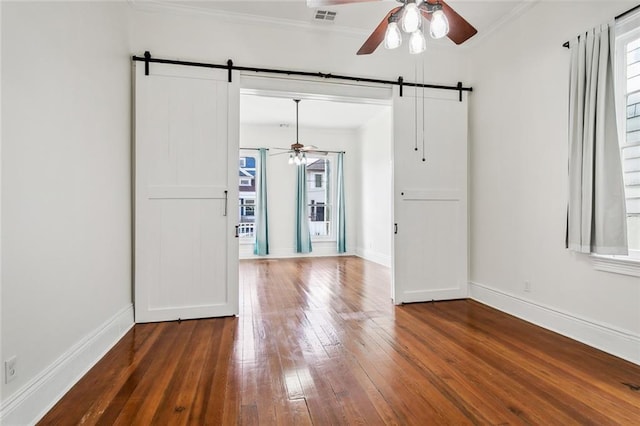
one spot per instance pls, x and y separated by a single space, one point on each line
281 184
375 197
66 276
197 36
518 184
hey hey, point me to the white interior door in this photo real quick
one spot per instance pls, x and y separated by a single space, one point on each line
186 184
430 197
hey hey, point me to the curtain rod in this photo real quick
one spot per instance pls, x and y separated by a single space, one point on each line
147 59
622 15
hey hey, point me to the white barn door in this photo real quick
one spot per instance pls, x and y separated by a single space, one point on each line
186 187
430 197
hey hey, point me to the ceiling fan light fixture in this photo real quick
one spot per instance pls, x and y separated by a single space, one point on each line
392 37
417 42
439 26
411 17
290 158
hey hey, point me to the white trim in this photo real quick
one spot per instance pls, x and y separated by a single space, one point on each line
320 249
31 402
621 343
617 265
518 11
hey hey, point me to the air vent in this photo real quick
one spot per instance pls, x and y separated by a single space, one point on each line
325 15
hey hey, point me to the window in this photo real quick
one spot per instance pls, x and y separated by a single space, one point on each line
319 197
247 197
628 91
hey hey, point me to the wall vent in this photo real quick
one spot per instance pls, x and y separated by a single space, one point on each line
325 15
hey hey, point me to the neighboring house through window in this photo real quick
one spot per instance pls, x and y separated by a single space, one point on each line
247 196
319 197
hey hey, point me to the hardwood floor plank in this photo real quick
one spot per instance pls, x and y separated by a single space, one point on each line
318 342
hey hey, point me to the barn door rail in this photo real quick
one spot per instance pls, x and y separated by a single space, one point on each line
148 59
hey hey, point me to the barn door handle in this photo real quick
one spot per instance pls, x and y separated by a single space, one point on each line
237 226
395 228
226 200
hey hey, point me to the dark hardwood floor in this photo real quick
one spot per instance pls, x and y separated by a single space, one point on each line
319 342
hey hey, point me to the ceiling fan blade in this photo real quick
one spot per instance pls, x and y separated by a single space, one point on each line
459 29
377 35
280 153
308 148
320 3
316 152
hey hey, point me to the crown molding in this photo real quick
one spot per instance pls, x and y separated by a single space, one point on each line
515 13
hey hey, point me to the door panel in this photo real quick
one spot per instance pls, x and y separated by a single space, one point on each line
430 198
186 138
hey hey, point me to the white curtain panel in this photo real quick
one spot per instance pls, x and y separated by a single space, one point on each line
596 211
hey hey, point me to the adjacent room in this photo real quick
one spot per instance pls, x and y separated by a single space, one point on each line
320 212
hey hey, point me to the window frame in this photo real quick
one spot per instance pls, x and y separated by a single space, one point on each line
242 164
627 30
329 184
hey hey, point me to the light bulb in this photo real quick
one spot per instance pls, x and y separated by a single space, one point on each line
392 38
411 18
297 160
417 43
439 26
290 158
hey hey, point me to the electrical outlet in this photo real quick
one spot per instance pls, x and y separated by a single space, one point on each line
10 371
527 286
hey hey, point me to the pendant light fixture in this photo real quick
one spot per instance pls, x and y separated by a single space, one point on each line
410 18
439 26
393 37
297 157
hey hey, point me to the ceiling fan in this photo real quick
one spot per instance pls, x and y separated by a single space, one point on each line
444 22
298 152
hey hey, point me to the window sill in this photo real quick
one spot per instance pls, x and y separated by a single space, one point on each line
617 265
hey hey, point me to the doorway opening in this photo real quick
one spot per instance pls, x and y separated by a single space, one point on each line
327 124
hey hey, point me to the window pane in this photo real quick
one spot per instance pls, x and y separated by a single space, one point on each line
632 178
630 149
633 137
318 209
632 165
247 196
634 98
631 152
633 206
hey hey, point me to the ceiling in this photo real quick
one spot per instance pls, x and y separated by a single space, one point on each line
354 18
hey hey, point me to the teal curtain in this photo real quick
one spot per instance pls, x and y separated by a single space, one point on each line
303 236
341 237
261 245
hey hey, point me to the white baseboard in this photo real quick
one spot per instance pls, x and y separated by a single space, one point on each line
373 256
621 343
320 249
30 403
